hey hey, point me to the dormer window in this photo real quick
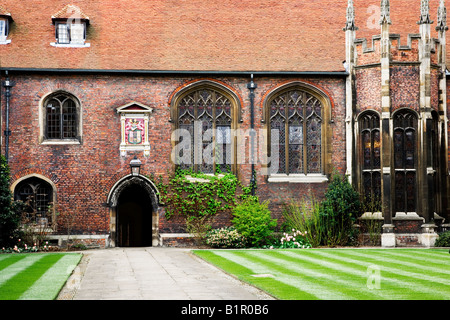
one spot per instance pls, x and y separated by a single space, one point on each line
3 29
5 21
70 33
70 27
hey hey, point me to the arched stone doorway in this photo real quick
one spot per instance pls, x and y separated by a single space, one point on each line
134 205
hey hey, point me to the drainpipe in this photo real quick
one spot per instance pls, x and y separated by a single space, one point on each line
252 86
8 85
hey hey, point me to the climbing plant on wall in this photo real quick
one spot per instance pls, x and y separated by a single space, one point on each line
198 197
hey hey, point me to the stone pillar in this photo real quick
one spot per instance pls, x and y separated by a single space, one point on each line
350 34
429 235
426 170
387 237
441 28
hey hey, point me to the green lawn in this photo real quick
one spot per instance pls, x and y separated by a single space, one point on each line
35 276
340 274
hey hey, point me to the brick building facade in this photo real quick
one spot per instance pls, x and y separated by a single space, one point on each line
82 97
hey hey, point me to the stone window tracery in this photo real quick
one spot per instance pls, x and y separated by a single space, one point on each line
37 195
296 119
204 122
370 151
405 161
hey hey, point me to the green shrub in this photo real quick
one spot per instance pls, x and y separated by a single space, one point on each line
253 220
10 211
340 210
330 222
304 215
227 237
443 240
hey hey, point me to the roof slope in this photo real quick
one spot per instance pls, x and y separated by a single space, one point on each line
70 11
201 35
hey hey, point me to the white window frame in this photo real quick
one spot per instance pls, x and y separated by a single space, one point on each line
4 32
77 43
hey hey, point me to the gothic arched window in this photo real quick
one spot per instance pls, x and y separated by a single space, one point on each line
61 117
405 161
295 124
370 153
204 119
37 195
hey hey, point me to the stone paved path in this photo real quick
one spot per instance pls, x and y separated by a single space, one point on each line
152 273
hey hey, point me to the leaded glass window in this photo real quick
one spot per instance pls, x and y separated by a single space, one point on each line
434 194
36 194
206 114
369 131
296 121
71 33
3 33
61 117
62 33
405 161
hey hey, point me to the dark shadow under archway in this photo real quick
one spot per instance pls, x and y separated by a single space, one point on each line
134 217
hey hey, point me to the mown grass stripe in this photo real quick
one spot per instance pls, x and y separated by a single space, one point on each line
390 276
422 257
349 288
392 286
303 282
352 278
20 282
428 264
50 283
413 280
259 265
8 260
20 263
268 284
4 256
437 253
288 290
398 268
411 260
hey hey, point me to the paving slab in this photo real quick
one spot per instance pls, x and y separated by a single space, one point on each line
153 273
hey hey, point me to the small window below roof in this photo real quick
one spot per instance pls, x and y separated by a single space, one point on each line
70 27
71 33
5 21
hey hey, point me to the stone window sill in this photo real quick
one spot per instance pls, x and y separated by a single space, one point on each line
60 142
298 178
70 45
203 180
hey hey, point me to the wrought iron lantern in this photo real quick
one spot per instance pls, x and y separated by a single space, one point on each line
135 166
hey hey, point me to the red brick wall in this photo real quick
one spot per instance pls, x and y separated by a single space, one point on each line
404 87
368 89
84 174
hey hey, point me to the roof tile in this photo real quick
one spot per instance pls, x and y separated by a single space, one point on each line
70 12
200 35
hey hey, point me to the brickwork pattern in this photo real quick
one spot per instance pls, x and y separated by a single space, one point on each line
84 174
404 87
